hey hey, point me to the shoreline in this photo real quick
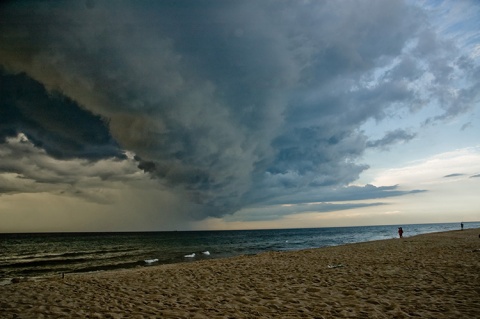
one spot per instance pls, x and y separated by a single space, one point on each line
35 278
434 275
33 274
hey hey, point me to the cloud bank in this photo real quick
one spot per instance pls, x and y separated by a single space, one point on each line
230 104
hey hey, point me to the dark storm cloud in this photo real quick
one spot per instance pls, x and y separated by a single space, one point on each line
236 103
51 121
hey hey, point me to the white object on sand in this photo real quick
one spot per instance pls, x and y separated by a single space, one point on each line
335 266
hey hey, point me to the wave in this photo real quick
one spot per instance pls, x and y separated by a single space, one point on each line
46 255
40 263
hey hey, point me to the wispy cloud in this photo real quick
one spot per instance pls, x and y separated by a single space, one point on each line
25 168
271 213
392 137
453 175
429 171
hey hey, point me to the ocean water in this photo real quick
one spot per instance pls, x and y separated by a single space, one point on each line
50 254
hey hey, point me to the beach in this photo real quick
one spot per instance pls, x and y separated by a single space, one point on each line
433 275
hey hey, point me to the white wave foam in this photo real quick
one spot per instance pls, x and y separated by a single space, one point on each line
190 256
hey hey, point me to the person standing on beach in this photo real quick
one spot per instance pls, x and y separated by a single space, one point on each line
461 225
400 232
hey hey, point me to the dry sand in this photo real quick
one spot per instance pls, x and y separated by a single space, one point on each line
426 276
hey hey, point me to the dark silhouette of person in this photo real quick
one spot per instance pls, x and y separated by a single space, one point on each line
461 225
400 232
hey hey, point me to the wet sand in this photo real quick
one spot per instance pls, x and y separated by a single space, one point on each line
426 276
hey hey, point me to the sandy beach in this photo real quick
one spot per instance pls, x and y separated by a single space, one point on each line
426 276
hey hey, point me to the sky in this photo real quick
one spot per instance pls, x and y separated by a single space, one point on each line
197 115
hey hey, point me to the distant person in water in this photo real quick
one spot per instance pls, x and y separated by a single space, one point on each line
461 225
400 232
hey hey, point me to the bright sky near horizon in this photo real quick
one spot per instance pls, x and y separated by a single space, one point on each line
179 115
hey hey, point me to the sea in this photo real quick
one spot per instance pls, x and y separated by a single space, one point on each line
55 254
